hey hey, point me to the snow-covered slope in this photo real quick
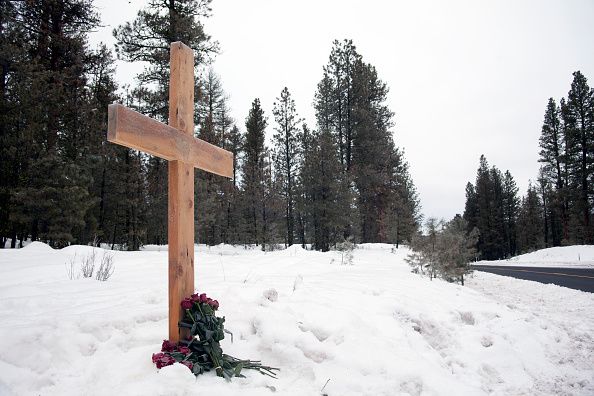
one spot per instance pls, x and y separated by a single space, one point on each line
578 256
371 328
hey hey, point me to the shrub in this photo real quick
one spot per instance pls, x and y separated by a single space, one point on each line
88 264
106 268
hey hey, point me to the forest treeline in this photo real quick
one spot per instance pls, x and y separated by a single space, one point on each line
557 207
341 179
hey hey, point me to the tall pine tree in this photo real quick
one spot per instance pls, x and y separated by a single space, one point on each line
147 39
287 151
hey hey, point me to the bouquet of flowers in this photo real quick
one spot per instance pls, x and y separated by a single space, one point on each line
202 352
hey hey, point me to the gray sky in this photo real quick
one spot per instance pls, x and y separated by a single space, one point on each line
466 77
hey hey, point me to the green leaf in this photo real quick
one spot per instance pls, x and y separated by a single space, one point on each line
237 370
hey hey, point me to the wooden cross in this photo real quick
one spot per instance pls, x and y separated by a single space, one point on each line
176 143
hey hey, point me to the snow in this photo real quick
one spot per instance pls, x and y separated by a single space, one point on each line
371 328
578 256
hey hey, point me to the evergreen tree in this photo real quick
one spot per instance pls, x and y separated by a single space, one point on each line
471 207
13 149
491 208
272 207
301 202
530 222
233 215
511 207
445 250
212 191
433 228
148 39
456 250
323 189
545 193
51 197
372 146
552 155
253 173
339 74
286 155
350 104
578 118
117 174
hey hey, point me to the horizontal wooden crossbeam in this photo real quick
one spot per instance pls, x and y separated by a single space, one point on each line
137 131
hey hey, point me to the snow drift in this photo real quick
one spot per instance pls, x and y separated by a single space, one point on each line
371 328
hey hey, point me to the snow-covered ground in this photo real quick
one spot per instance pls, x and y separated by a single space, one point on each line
371 328
578 256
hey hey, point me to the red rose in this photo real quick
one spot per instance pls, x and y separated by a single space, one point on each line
187 304
203 298
214 304
168 346
166 361
157 356
162 360
184 350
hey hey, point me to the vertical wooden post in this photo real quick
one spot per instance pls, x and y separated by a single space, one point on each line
181 188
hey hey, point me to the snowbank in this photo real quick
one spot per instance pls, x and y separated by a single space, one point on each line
578 256
371 328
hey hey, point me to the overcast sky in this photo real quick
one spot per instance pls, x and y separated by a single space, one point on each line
466 77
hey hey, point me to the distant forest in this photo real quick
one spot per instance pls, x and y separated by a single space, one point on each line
62 183
558 205
342 179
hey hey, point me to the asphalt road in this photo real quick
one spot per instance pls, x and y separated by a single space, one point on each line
574 278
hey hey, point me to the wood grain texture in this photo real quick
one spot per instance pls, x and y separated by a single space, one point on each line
181 241
176 143
181 188
137 131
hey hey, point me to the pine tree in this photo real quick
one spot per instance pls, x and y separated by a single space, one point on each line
470 207
404 202
13 61
233 213
545 194
456 250
433 227
212 191
491 207
324 190
578 118
552 155
380 201
511 207
372 145
339 74
117 174
51 198
286 149
253 173
272 207
530 222
148 39
303 226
